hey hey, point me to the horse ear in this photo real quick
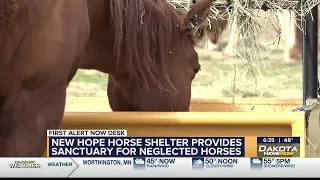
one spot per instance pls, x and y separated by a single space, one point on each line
196 16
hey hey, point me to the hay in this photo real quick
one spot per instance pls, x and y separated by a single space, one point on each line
243 14
243 17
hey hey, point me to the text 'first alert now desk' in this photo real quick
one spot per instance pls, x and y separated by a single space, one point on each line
250 125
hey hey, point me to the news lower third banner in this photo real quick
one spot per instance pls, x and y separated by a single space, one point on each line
115 143
159 167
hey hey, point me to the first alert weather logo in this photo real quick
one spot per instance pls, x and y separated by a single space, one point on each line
24 164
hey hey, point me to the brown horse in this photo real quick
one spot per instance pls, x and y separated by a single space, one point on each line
144 44
40 45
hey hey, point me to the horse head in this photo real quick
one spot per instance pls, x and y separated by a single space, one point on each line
155 55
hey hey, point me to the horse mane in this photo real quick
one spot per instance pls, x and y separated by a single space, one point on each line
143 28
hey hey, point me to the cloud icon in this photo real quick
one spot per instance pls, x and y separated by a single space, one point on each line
256 161
139 161
198 162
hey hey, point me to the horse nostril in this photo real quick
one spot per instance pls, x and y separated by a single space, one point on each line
196 70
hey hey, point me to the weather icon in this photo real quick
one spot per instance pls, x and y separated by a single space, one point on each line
256 161
139 161
198 162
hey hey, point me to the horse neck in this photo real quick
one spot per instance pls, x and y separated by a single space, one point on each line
99 52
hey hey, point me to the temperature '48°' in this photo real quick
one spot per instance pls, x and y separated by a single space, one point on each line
288 140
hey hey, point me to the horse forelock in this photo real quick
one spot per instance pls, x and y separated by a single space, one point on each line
144 28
